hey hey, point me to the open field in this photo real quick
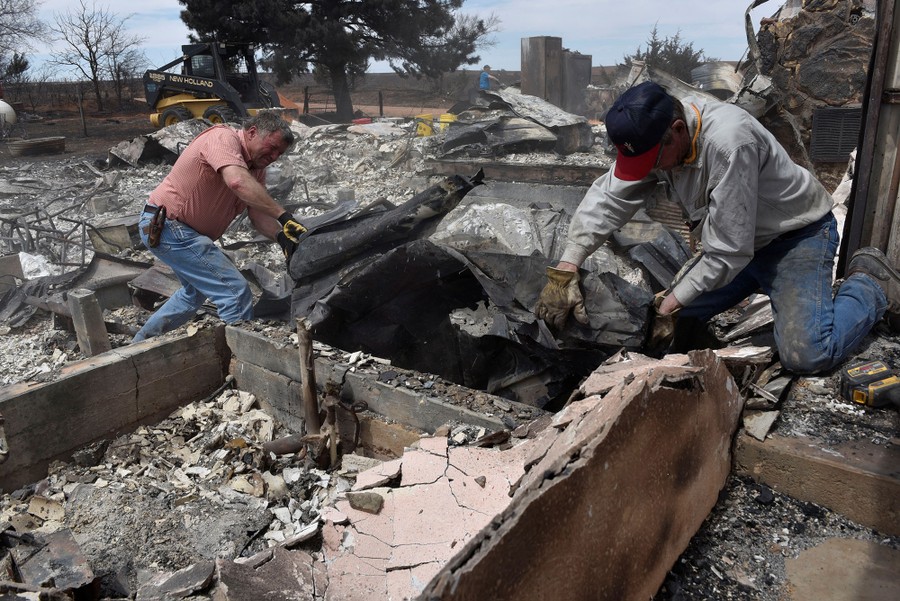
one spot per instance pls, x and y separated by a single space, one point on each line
92 134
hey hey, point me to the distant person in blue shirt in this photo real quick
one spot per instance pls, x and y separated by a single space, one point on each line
484 80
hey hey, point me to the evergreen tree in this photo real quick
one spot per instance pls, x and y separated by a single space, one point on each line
339 39
670 54
14 71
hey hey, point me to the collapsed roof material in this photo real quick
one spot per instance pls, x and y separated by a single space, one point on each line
459 304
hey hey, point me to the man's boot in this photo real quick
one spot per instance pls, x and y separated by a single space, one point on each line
874 263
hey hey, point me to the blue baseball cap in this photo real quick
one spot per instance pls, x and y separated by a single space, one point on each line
636 124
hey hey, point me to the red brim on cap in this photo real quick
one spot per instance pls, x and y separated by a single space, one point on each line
631 169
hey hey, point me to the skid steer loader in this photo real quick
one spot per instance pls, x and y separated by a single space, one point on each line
213 80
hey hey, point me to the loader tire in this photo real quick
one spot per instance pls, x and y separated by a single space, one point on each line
220 113
175 114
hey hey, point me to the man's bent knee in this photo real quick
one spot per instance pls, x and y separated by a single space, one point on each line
803 360
238 308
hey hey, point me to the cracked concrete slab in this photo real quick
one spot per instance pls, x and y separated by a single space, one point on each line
625 476
435 509
625 479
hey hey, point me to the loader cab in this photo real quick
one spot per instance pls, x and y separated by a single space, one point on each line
213 80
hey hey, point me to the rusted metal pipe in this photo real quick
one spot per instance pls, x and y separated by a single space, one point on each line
310 400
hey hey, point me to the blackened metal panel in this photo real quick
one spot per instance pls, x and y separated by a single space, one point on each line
835 133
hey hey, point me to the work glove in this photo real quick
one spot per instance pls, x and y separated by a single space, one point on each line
662 328
287 247
290 227
561 295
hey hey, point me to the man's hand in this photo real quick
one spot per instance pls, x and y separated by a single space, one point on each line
291 228
662 325
287 247
561 295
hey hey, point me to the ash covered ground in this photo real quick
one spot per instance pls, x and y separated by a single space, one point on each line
739 553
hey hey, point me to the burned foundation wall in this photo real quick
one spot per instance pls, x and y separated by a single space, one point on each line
104 396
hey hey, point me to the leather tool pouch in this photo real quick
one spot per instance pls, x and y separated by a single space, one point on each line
154 230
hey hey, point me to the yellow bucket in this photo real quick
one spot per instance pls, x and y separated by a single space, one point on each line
424 125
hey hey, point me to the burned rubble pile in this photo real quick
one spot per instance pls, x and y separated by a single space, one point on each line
199 486
217 479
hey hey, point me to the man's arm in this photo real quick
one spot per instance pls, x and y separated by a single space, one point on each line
729 231
607 206
282 227
264 224
566 266
247 188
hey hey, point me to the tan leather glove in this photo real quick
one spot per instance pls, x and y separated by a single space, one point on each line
561 295
662 327
290 227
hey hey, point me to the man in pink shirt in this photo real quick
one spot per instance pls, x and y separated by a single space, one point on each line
218 176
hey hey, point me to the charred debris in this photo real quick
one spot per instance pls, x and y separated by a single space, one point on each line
419 281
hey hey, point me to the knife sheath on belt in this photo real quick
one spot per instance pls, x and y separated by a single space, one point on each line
154 230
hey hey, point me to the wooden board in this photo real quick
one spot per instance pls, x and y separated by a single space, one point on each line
858 479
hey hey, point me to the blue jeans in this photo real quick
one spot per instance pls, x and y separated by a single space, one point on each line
813 331
205 272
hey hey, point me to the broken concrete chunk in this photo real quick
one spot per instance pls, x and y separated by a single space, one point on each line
304 534
758 424
379 475
423 467
181 584
287 576
333 515
353 464
46 509
609 444
53 559
370 502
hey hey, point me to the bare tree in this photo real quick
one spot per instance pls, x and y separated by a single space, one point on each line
90 36
124 60
19 25
33 88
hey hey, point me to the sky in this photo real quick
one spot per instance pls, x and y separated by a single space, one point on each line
605 29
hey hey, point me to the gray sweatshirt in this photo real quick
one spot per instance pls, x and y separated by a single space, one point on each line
742 186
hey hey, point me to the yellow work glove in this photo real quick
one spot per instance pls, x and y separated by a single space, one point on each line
662 327
291 228
561 295
287 247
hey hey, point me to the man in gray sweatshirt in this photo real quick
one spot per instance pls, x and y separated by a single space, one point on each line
764 223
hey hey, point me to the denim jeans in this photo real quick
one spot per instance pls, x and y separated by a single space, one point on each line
813 331
205 272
